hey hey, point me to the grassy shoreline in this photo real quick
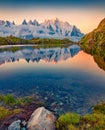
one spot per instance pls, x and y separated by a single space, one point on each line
10 40
74 121
10 105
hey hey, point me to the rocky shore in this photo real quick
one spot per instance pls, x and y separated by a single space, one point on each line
35 117
41 119
24 115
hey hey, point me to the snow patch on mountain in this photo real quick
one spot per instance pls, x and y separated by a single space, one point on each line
53 28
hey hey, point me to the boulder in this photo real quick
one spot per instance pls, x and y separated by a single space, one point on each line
15 125
18 125
41 119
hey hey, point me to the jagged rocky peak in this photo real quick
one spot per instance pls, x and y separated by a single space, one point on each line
55 19
46 22
30 22
75 31
2 22
51 23
24 22
56 23
35 22
67 23
7 23
13 23
50 28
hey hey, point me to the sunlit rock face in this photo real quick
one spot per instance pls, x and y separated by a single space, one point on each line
41 119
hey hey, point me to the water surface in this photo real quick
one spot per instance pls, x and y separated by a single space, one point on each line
66 79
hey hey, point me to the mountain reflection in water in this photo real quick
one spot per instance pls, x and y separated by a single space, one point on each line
75 83
35 55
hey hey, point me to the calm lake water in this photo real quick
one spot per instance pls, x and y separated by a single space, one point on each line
66 79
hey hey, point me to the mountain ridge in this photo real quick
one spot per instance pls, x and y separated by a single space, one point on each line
50 28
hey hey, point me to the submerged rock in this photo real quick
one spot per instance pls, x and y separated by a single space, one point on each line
41 119
15 125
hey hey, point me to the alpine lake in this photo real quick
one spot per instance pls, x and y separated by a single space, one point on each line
64 78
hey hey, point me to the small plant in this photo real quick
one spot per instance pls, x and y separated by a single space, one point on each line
8 99
72 121
9 104
99 109
4 112
67 120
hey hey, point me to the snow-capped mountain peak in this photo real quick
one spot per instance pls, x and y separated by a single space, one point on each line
53 28
24 22
7 24
55 20
35 22
13 23
2 22
30 22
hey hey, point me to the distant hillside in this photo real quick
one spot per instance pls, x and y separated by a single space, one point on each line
94 38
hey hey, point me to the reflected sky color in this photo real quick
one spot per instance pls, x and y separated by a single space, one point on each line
66 76
81 62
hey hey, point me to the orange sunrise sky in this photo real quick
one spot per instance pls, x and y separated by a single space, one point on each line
85 15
